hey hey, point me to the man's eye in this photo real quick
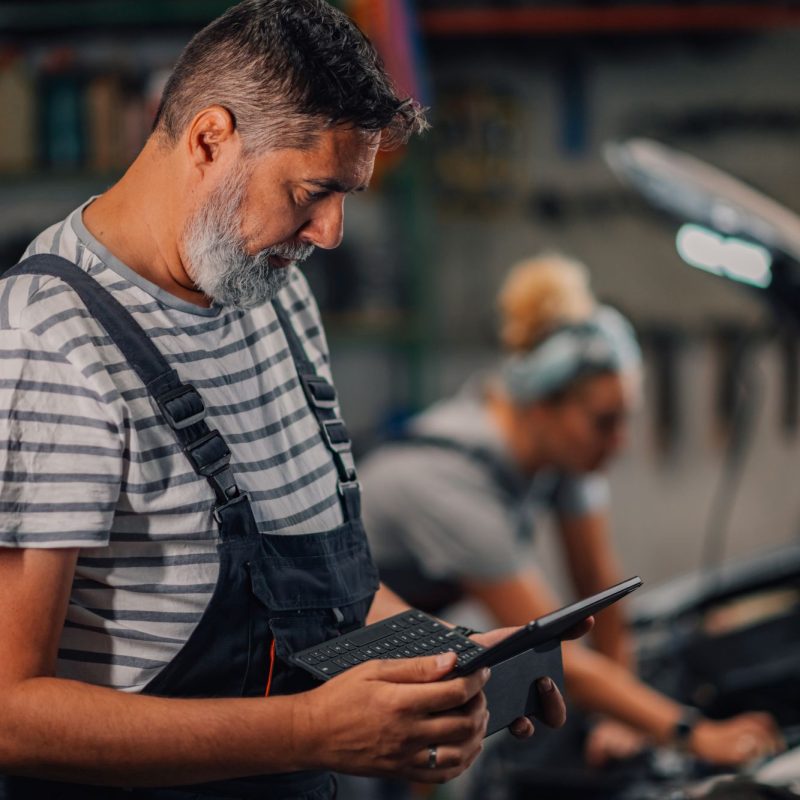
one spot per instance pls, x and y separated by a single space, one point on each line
311 197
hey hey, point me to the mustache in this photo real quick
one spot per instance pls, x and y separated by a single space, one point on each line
291 251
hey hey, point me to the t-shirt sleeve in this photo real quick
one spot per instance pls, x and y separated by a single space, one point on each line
439 510
577 496
60 449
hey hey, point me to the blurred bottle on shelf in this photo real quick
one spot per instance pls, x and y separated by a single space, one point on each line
104 104
62 117
18 123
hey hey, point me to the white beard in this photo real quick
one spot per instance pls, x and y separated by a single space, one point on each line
218 262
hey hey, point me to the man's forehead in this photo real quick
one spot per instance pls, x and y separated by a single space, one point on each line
346 157
339 160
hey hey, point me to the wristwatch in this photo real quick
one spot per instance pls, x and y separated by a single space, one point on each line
686 723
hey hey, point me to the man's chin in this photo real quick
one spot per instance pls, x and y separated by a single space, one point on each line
248 303
278 262
251 301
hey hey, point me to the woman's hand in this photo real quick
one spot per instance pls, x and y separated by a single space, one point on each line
610 740
738 740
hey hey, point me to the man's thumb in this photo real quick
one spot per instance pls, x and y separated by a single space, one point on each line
416 670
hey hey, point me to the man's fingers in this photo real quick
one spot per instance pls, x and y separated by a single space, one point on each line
455 726
420 682
424 669
491 638
581 629
449 695
450 763
554 711
522 728
447 757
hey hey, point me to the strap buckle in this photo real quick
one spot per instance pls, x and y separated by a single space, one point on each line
242 497
336 435
345 486
350 492
319 391
175 402
218 451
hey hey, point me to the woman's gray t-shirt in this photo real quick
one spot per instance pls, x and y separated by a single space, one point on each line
446 512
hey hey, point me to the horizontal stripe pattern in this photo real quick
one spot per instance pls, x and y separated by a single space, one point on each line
85 460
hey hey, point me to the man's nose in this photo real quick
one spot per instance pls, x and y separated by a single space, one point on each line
326 227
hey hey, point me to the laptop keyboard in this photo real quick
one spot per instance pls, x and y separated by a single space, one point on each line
405 635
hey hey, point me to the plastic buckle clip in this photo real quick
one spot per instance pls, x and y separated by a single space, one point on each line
341 445
319 391
345 486
242 497
215 466
165 400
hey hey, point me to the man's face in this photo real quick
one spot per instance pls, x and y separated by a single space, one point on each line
270 211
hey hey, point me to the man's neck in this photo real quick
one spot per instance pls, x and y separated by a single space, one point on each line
136 221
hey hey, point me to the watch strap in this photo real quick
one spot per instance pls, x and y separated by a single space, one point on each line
686 723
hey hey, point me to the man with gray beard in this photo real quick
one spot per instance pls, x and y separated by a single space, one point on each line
179 511
221 266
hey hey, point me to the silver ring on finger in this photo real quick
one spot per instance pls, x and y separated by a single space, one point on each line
433 752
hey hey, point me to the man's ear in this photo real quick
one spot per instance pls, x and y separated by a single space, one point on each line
212 138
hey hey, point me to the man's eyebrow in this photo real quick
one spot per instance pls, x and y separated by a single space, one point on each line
333 185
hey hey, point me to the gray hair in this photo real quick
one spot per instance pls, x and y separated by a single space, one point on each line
285 70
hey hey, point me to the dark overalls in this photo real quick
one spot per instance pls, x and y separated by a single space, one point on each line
275 594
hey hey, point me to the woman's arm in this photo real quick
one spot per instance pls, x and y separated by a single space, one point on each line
593 566
593 681
599 684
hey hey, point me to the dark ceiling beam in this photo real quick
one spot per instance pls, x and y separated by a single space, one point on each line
625 19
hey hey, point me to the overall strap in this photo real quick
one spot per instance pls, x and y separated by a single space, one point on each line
321 397
504 477
180 403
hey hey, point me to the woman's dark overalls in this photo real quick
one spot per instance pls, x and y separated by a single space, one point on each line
275 594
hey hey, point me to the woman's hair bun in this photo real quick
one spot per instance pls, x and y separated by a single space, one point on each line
540 294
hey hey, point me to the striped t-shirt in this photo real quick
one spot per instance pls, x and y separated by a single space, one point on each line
86 462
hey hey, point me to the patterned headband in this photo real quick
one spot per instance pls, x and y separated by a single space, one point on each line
604 343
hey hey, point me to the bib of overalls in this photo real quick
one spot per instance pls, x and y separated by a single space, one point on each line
275 594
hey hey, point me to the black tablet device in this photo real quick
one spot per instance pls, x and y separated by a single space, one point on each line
517 662
550 627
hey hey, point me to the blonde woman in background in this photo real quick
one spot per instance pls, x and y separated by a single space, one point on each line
448 508
538 297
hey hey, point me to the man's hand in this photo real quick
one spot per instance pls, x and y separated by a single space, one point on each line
384 716
554 711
